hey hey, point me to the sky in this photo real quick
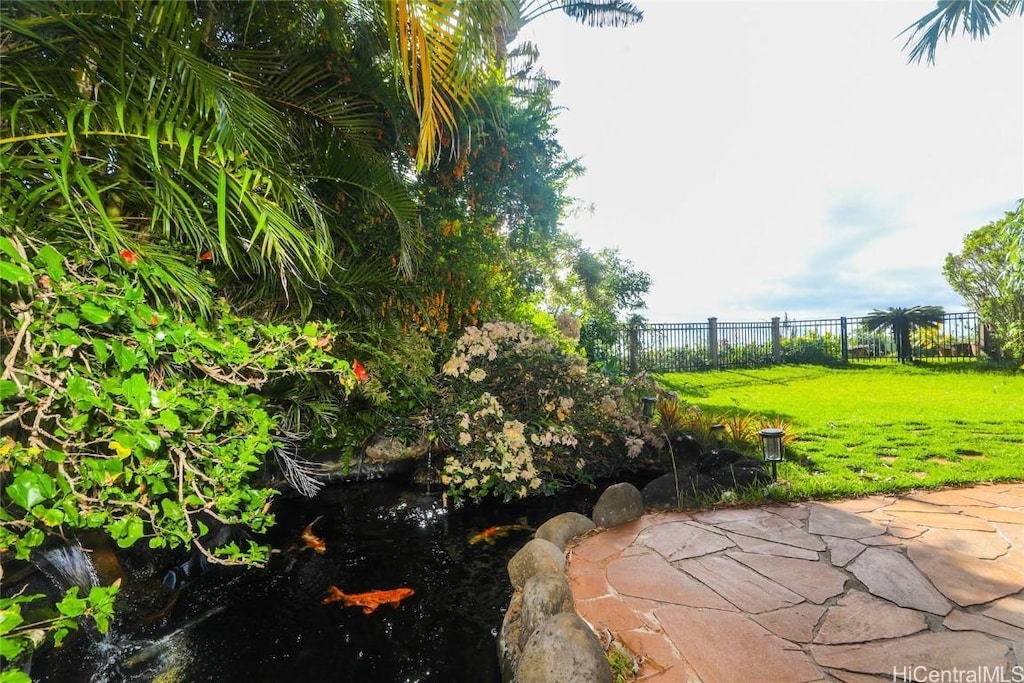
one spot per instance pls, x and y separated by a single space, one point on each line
761 158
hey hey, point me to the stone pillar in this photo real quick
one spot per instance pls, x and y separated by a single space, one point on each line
713 341
634 349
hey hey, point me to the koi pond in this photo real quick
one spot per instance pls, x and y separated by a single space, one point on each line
235 624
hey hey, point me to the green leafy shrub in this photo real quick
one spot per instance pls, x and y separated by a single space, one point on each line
739 430
521 416
21 631
129 418
812 348
132 419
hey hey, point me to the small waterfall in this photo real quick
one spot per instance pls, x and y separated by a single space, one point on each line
68 566
430 466
125 659
122 654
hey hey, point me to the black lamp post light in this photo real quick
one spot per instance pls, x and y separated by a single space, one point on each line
717 435
771 446
648 406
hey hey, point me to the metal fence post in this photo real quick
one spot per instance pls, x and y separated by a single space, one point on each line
634 348
713 341
776 340
844 339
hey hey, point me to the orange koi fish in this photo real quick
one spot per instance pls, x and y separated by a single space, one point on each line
493 533
312 540
368 601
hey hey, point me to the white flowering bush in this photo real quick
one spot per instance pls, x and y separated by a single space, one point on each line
520 416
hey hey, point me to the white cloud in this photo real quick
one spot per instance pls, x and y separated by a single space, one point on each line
763 157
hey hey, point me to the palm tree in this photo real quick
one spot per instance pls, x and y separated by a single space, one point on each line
182 133
973 17
443 51
242 133
902 322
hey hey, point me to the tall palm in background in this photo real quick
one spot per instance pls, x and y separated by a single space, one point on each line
902 322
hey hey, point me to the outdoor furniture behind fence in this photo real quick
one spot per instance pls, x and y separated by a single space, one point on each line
682 347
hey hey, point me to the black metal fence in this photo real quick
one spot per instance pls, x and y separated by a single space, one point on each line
682 347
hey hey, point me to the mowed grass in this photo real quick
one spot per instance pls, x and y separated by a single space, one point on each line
876 428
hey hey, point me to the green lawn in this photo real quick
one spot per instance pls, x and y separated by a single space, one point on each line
870 428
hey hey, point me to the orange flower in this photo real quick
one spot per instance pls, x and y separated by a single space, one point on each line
129 256
360 371
206 256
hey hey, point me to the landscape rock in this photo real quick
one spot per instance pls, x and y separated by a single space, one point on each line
536 557
620 503
388 449
544 595
741 475
384 457
660 493
562 528
511 637
713 473
563 650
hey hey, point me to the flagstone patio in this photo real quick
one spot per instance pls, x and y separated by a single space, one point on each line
881 588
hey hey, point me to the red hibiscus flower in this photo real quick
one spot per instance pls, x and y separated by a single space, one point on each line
360 371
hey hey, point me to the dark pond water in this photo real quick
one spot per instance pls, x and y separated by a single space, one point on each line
233 624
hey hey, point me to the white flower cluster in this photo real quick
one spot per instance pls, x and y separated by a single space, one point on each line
548 419
485 342
561 409
634 445
507 456
553 436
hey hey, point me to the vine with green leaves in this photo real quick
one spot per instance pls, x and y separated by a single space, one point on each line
135 420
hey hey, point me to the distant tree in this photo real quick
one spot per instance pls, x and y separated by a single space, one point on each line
983 274
600 289
902 322
973 17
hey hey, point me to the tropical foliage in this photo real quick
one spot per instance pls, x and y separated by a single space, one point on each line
975 18
600 290
211 210
21 632
812 347
175 134
982 275
902 322
130 420
492 217
715 428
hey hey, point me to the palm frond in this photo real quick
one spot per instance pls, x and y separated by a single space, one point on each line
441 49
596 13
976 18
357 289
367 176
119 123
305 476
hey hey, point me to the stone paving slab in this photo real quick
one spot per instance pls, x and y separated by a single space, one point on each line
796 624
851 591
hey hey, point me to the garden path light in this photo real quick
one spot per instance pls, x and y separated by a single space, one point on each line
771 446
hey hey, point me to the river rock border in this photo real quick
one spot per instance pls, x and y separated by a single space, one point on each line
542 639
